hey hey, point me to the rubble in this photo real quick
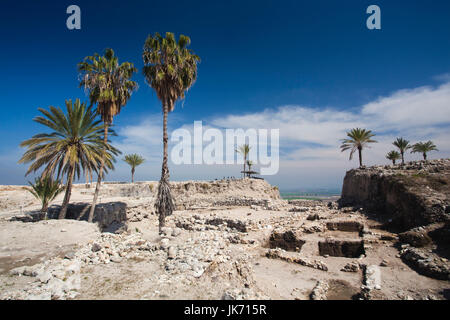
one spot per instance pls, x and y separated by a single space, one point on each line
56 279
243 294
372 277
351 267
288 257
427 263
320 291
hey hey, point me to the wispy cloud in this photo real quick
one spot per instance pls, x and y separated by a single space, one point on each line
411 109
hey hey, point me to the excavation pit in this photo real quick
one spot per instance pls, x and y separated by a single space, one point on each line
341 290
341 248
288 241
346 226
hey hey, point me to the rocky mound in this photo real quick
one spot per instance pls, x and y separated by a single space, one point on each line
415 199
186 189
412 195
187 194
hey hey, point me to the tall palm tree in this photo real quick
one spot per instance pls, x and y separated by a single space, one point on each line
424 148
170 68
402 145
133 160
393 156
357 139
46 190
110 87
244 150
75 144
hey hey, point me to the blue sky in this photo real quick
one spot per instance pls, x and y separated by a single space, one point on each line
311 68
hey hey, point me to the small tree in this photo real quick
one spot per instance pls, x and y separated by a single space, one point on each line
424 148
402 145
358 140
46 190
250 165
244 150
133 160
393 156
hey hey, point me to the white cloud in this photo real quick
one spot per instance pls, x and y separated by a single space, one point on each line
145 139
142 137
419 107
296 123
309 137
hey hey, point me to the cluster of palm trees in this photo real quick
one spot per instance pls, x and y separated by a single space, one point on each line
80 142
358 139
74 145
403 145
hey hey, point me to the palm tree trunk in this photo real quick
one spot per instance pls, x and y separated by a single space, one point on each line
44 210
360 157
393 162
132 175
87 178
165 167
424 156
100 174
164 203
65 204
403 158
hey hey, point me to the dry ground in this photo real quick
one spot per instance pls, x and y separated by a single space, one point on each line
147 277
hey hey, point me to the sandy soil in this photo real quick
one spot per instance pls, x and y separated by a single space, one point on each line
29 243
229 260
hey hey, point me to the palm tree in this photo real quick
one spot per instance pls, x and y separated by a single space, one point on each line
133 160
358 140
74 145
250 165
170 68
393 156
45 189
88 174
244 150
424 148
402 145
110 87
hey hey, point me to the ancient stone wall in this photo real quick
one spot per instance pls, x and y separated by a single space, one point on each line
238 188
